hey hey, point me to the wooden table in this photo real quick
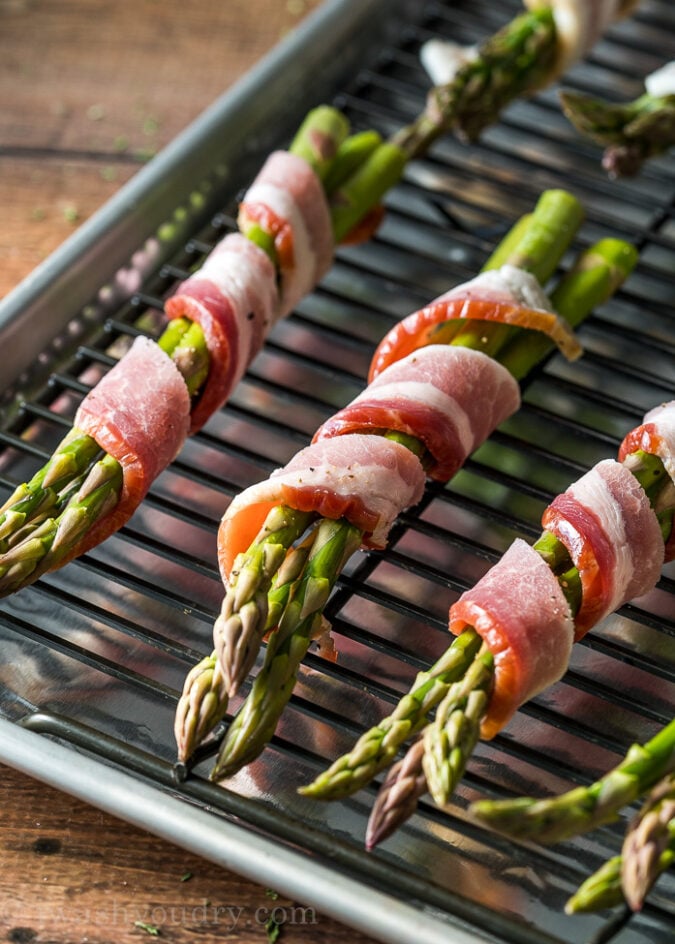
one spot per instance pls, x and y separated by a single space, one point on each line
89 90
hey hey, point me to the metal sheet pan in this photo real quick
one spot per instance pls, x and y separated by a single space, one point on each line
94 655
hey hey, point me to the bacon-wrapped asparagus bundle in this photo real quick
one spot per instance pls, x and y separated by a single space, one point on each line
368 471
139 415
604 542
326 189
630 132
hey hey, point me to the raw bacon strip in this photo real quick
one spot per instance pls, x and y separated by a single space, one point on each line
233 298
521 613
612 534
656 436
450 398
139 413
367 479
287 201
508 295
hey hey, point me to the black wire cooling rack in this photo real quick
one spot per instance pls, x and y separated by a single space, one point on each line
95 654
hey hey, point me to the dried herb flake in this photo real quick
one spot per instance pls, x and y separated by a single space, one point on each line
151 929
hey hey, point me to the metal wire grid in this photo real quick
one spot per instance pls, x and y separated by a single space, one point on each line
126 622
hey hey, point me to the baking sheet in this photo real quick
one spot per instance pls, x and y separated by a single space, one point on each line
95 654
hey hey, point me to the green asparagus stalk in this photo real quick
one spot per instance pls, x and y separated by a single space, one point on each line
354 151
630 132
206 692
242 622
449 740
319 139
68 463
366 185
646 849
184 342
202 706
398 796
600 890
594 278
586 807
51 540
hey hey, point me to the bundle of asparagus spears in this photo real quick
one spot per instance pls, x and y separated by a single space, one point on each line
630 132
647 772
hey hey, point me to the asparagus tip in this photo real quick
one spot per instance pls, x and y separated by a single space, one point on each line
179 771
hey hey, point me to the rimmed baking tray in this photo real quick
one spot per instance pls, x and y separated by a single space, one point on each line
94 655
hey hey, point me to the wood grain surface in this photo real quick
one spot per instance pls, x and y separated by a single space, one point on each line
89 91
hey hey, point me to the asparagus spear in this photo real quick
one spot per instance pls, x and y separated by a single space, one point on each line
630 132
583 808
376 749
397 798
202 706
48 541
450 739
206 691
243 618
601 890
646 848
68 463
517 60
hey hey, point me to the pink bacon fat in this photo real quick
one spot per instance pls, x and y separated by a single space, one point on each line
450 398
288 201
233 297
139 413
608 526
367 479
522 615
656 436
